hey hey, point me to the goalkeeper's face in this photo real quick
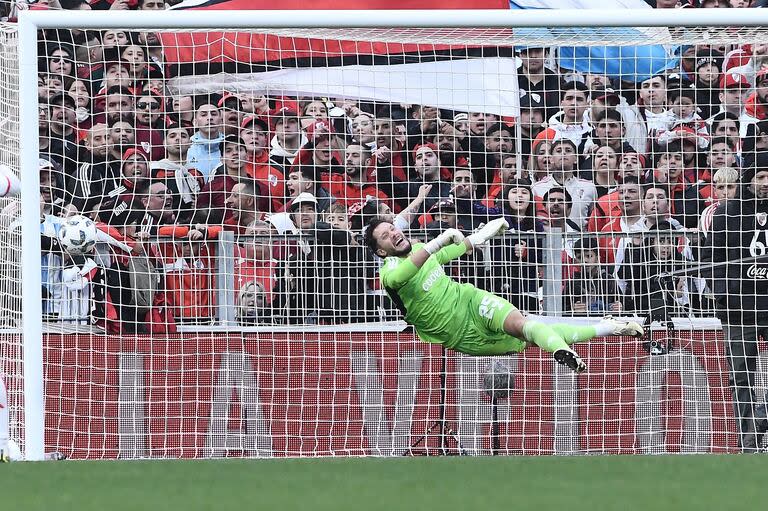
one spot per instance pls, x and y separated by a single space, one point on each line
390 241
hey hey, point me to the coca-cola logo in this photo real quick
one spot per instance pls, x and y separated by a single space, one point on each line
757 272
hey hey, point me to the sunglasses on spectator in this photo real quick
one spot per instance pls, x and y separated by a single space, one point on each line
148 104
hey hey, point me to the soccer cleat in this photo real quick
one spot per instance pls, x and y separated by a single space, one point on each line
571 360
629 328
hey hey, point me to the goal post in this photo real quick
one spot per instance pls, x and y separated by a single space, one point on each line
349 381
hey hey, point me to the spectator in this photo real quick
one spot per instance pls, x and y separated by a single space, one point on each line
211 206
734 87
563 163
532 116
362 129
254 132
352 187
725 185
288 138
251 303
184 110
61 62
326 280
204 153
516 277
607 206
150 123
652 104
570 122
469 211
151 5
302 180
605 165
534 78
157 206
709 64
644 269
738 232
62 143
631 220
184 183
231 114
427 171
725 124
591 290
243 205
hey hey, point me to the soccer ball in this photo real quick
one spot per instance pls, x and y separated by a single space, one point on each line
77 235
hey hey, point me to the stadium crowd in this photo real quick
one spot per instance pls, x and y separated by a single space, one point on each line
632 173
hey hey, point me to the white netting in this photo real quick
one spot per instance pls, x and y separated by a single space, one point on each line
231 308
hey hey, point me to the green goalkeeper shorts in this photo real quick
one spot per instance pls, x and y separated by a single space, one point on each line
483 332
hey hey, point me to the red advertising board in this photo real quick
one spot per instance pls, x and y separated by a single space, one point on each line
310 394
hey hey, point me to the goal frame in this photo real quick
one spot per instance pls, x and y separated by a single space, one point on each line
32 21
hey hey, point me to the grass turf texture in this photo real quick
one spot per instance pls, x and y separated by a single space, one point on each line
440 484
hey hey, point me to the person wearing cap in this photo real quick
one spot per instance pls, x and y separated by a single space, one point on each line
740 286
591 290
709 64
534 78
328 281
115 104
352 186
361 128
211 202
532 115
288 138
231 114
733 89
204 153
571 122
461 123
564 165
254 131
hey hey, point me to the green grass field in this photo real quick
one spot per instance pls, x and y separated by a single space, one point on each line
592 483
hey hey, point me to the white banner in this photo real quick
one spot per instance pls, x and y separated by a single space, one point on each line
472 85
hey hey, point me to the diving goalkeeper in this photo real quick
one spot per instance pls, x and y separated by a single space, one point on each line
462 317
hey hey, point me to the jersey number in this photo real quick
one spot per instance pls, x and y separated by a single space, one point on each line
757 247
488 306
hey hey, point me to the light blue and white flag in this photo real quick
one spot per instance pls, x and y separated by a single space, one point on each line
631 63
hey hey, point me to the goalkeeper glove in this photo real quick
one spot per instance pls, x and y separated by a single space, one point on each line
488 231
449 237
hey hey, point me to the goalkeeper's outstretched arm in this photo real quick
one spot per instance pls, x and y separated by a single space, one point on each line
451 241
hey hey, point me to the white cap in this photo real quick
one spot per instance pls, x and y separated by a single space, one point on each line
303 197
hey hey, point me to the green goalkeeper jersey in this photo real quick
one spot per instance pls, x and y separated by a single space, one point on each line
431 301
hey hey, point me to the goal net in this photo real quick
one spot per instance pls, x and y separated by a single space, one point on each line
204 278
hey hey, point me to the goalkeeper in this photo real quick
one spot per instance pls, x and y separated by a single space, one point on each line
462 317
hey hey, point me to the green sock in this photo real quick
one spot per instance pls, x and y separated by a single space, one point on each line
574 333
543 336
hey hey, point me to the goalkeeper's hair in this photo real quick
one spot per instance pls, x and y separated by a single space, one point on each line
368 238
